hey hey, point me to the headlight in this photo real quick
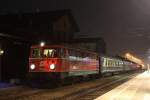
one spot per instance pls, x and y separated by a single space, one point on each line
32 66
52 66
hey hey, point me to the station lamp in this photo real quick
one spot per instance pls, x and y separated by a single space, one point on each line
1 52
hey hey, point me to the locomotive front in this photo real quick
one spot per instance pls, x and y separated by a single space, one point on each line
46 61
60 62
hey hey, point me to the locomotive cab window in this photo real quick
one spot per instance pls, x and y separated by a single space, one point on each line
35 53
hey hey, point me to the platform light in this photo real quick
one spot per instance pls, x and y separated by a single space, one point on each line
1 52
52 66
32 66
127 55
42 44
134 59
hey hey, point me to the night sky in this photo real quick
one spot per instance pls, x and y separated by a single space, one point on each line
124 24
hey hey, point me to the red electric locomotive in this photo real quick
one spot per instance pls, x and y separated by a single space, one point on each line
59 62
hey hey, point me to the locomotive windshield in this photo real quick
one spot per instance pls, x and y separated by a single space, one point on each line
53 52
50 53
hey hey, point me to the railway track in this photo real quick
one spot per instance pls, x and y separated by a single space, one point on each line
17 92
81 91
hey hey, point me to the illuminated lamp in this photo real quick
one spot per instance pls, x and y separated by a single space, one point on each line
32 66
1 52
52 66
127 55
42 44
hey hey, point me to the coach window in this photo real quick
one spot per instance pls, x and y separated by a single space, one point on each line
106 62
117 63
109 65
113 62
120 64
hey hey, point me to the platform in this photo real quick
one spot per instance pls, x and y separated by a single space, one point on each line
137 88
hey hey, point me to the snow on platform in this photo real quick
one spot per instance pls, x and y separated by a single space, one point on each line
137 88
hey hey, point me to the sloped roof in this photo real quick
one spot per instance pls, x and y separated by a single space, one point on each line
11 21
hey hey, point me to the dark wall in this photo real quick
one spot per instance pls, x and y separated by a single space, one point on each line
99 47
15 59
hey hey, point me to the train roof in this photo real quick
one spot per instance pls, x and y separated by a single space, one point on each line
54 46
117 57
